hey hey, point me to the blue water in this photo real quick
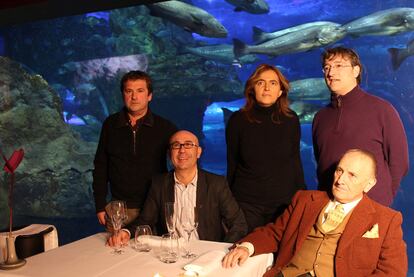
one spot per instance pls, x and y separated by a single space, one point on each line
379 78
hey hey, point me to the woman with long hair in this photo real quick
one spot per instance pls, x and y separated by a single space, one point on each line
264 167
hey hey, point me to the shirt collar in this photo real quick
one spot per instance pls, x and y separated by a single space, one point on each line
347 206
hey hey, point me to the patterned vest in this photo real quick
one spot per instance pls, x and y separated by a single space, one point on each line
317 252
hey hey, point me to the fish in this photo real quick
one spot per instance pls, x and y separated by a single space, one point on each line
222 53
294 42
260 36
250 6
305 110
398 55
226 115
385 22
309 89
189 17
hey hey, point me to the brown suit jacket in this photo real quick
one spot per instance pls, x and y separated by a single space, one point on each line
356 255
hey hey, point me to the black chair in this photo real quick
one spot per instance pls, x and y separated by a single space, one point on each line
31 244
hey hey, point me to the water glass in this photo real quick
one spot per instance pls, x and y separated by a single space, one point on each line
169 248
142 238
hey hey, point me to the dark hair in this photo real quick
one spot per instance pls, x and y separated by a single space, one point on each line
136 75
282 103
344 53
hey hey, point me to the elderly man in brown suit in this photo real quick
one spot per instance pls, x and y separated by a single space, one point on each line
343 234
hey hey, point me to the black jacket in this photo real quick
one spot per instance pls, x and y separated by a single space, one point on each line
215 204
127 161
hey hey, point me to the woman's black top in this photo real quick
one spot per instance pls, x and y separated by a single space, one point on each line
263 159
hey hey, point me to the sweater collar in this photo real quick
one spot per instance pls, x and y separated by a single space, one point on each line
264 110
354 95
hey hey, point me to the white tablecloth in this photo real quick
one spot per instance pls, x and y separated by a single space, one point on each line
90 257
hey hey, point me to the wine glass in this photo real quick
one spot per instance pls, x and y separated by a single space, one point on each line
118 215
189 222
170 217
142 238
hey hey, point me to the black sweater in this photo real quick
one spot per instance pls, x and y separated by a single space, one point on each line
263 159
127 160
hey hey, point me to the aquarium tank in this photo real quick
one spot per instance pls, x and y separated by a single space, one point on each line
59 80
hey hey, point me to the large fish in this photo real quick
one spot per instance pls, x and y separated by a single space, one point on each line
260 36
299 41
250 6
221 53
307 97
189 17
386 22
398 55
310 89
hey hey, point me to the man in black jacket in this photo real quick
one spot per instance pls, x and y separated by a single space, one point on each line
132 148
189 186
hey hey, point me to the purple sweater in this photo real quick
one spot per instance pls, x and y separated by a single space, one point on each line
360 120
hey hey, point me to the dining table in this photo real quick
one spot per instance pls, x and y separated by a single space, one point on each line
91 257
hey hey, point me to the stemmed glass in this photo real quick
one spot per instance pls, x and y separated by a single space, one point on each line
189 222
170 217
143 234
118 216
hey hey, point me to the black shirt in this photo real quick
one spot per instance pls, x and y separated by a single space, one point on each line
127 158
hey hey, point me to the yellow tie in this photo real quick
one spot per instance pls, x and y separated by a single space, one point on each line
334 218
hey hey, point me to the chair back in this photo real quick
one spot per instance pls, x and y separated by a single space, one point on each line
30 240
29 245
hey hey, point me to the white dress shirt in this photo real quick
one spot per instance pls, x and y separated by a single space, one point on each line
185 196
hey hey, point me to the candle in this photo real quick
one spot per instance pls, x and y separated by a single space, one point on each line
189 273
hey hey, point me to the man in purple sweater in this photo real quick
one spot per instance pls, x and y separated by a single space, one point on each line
356 119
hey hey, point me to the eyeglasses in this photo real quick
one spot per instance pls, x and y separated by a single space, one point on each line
337 66
186 145
262 83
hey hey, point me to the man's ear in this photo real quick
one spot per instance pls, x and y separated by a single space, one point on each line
356 70
199 151
370 184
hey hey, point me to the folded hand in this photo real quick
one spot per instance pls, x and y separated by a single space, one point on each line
237 255
121 238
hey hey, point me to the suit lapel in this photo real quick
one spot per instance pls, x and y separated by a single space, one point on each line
361 220
310 214
201 198
170 187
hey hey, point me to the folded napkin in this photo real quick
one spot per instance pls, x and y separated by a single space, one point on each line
152 241
206 263
155 241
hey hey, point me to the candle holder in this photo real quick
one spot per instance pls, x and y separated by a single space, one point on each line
11 260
